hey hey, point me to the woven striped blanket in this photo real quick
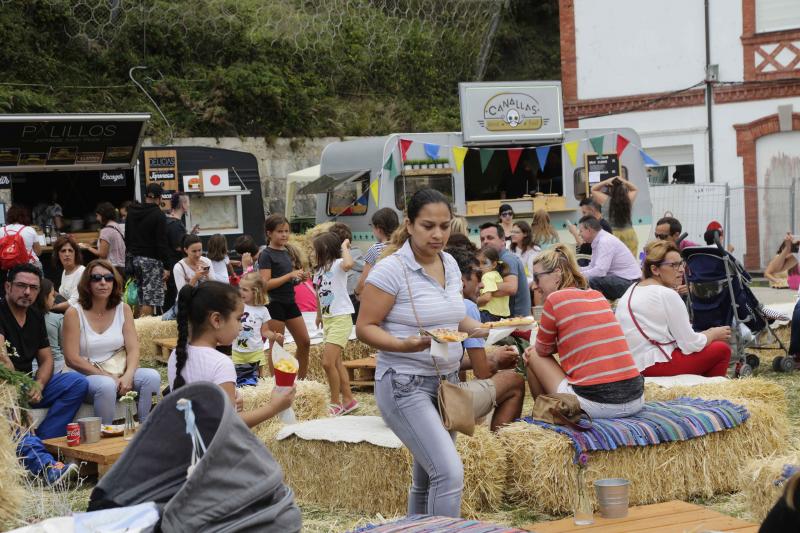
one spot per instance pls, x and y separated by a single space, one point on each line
657 422
436 524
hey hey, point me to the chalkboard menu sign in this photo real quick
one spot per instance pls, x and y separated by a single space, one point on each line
599 167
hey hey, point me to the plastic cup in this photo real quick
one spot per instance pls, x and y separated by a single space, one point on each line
284 379
612 497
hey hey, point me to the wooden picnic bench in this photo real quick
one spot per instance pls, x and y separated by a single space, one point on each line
103 453
165 347
675 516
366 371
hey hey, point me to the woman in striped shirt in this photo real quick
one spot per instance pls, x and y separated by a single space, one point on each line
594 361
418 286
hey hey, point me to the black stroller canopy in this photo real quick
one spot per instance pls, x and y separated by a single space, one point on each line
236 486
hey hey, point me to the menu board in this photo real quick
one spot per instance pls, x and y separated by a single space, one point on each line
599 167
161 166
96 141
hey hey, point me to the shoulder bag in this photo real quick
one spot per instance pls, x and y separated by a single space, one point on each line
114 365
455 403
655 343
560 408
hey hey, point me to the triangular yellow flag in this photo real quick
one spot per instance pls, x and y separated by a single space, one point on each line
459 153
572 151
373 188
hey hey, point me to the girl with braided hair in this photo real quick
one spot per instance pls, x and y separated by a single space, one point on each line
209 315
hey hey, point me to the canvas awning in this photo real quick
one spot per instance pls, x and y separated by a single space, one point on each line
331 181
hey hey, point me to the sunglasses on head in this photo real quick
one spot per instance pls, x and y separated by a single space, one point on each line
97 277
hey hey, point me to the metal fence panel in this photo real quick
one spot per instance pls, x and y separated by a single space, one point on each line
695 205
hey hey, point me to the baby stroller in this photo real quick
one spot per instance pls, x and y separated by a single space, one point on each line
236 485
719 295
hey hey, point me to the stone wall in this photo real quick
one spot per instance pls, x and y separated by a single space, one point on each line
277 157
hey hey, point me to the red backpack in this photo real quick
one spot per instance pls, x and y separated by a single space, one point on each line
12 249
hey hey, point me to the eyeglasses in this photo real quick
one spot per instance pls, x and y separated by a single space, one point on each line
662 236
537 275
677 265
96 278
507 214
25 286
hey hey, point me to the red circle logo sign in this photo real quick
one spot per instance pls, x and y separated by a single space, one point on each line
215 180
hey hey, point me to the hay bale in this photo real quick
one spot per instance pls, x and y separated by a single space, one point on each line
758 480
311 400
152 327
371 479
12 473
303 242
355 349
541 474
732 389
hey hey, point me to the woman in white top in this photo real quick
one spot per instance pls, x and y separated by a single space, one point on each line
18 219
193 269
656 323
67 255
523 246
94 329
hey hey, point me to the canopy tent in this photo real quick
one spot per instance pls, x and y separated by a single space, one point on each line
297 179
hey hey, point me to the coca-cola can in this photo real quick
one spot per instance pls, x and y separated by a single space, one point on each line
73 434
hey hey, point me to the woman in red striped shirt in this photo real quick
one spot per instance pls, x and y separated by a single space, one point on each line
577 323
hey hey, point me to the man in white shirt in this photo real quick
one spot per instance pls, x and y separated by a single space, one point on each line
612 268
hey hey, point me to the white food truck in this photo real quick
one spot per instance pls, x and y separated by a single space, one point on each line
513 149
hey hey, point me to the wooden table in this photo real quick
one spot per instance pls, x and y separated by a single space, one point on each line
104 453
366 371
674 516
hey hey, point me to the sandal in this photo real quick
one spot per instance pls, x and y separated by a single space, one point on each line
350 407
335 410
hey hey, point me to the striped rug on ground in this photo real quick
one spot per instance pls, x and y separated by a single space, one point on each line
436 524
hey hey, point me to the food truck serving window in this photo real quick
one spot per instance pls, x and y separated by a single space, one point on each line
406 186
350 198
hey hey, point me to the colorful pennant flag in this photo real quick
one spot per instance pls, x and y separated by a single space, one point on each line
404 145
486 156
597 144
432 150
373 187
541 154
390 166
622 143
648 161
572 151
459 153
513 158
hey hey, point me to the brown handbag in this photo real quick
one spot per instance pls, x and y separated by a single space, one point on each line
560 408
455 403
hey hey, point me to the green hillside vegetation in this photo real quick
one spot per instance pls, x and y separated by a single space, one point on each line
272 68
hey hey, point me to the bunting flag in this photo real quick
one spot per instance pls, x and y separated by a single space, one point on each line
459 153
486 156
648 161
572 151
373 187
362 200
541 154
432 150
513 158
390 166
597 144
622 143
404 144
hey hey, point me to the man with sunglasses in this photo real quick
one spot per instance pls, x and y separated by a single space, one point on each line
670 229
23 337
612 268
505 217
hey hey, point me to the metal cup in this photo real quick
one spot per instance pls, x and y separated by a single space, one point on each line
612 497
90 429
537 312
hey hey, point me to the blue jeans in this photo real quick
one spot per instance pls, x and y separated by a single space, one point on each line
34 455
794 340
102 392
409 407
63 395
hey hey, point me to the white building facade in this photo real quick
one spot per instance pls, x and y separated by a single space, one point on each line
643 64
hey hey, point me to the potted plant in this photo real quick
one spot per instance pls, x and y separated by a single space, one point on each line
407 164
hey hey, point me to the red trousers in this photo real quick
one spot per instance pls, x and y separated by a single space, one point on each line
709 362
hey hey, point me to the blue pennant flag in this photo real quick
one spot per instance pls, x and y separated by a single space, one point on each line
541 154
432 150
648 161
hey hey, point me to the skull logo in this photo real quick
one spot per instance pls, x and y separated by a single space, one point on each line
513 118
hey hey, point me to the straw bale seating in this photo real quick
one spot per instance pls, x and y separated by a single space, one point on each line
541 473
763 482
148 329
751 388
370 479
12 474
310 402
355 349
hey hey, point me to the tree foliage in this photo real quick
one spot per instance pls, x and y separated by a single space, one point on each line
215 69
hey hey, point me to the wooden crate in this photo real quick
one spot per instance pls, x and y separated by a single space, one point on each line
365 368
104 453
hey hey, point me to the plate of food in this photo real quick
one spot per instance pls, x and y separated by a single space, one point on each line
112 430
447 335
516 321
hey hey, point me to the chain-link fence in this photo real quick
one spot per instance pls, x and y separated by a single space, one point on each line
769 211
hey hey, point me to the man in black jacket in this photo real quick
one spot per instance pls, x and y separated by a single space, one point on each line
146 242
